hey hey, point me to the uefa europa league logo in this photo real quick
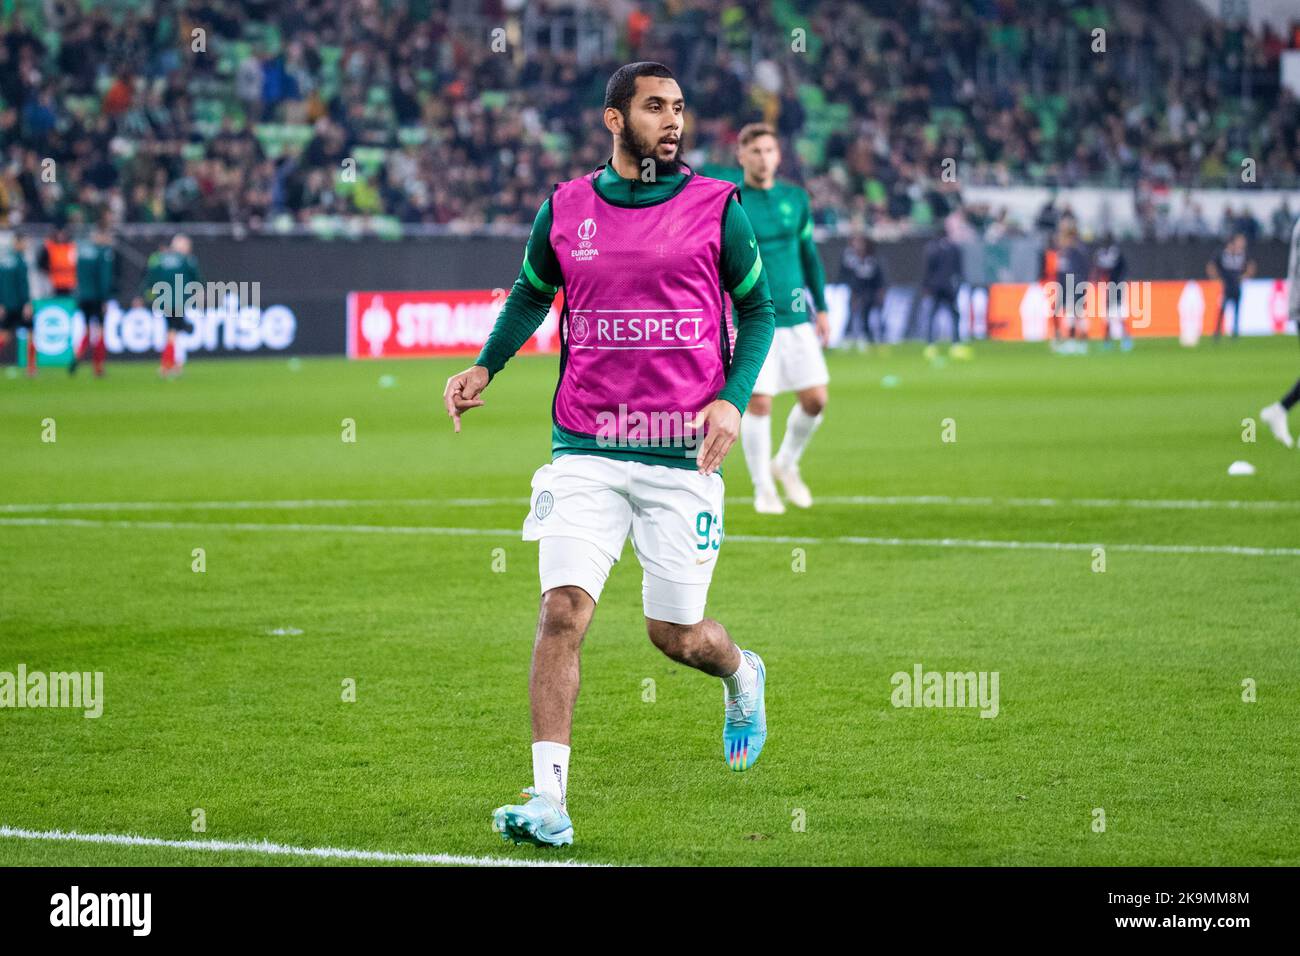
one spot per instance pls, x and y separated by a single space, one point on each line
586 230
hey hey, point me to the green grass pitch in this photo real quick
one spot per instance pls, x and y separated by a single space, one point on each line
1120 691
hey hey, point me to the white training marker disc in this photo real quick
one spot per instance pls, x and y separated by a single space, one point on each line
1241 468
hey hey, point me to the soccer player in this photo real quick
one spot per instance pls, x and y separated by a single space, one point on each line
1275 415
782 219
1047 274
643 248
96 277
1231 266
1072 268
173 268
866 281
16 298
1109 270
939 287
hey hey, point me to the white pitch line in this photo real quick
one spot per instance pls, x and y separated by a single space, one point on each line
976 501
276 849
1172 504
957 501
993 544
976 543
253 526
270 505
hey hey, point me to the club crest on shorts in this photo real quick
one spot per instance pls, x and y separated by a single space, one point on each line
545 504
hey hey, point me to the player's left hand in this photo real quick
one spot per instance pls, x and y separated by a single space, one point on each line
722 421
824 327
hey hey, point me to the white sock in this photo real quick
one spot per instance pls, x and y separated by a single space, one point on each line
756 443
743 681
551 770
799 428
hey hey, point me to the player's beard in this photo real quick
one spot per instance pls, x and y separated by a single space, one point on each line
641 150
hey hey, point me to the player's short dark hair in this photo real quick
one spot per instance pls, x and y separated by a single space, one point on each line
752 131
622 85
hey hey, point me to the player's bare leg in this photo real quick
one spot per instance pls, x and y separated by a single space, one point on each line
813 400
804 420
707 647
552 692
562 623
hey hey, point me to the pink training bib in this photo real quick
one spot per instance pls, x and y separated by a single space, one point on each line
645 341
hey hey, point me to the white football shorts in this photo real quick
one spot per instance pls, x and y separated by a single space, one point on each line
794 362
584 507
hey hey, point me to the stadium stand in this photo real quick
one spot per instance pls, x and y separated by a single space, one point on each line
314 113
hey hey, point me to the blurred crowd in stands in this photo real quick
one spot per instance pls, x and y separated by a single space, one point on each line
273 112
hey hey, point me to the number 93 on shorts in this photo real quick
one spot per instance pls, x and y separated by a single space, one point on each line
584 507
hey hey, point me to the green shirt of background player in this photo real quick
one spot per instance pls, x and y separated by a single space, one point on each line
96 268
96 281
15 293
782 219
174 267
15 299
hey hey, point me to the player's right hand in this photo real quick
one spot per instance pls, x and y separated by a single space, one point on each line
463 390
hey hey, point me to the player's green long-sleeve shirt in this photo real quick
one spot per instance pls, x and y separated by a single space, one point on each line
173 270
782 220
742 273
14 290
96 271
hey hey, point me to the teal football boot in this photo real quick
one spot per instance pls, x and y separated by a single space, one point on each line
744 725
540 821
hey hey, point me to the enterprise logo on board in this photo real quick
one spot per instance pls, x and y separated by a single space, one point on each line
624 329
